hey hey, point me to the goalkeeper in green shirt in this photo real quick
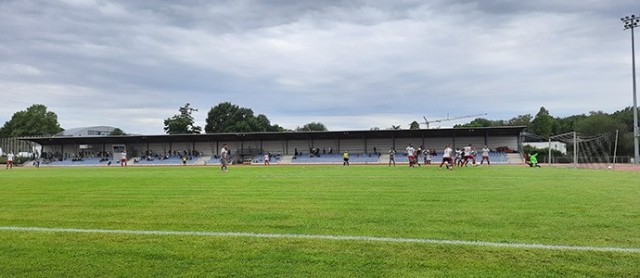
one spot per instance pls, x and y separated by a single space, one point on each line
533 160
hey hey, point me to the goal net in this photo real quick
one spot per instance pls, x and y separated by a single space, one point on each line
586 151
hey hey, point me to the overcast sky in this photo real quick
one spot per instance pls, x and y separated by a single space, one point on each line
351 65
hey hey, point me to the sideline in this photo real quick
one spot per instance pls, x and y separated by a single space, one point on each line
326 237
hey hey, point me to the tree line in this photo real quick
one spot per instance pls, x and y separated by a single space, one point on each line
594 123
222 118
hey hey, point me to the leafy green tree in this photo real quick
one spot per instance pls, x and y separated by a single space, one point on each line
598 123
543 123
625 116
117 132
520 120
312 126
479 122
414 125
182 123
568 124
482 122
227 117
35 121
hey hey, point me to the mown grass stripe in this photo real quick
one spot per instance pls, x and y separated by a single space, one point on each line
328 237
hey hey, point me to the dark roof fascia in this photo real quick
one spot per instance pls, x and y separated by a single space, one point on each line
253 136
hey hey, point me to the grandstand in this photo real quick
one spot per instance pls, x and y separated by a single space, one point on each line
365 147
496 158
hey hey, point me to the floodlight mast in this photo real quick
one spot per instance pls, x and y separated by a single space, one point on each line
631 22
427 122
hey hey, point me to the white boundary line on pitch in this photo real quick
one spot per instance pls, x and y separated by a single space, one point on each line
326 237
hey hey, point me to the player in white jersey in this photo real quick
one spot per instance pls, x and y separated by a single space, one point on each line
459 157
469 153
123 158
427 156
447 157
267 158
410 151
485 155
224 157
10 160
392 157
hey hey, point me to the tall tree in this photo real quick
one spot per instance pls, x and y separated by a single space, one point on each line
625 116
599 123
227 117
35 121
312 126
520 120
543 123
482 122
414 125
182 123
567 124
117 132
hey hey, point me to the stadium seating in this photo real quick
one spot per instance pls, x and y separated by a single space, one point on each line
259 159
93 161
171 160
335 158
357 158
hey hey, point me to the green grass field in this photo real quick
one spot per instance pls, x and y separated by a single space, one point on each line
520 205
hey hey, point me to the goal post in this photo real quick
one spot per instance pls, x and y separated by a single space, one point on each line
587 151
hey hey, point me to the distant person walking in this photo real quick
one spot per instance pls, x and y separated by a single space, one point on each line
345 157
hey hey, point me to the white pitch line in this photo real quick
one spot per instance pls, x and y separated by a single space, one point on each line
327 237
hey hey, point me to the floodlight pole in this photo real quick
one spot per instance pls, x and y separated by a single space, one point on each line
575 149
631 22
549 150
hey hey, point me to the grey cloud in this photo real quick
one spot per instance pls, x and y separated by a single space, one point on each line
307 60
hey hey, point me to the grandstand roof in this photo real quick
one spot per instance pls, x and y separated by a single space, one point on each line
87 131
253 136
